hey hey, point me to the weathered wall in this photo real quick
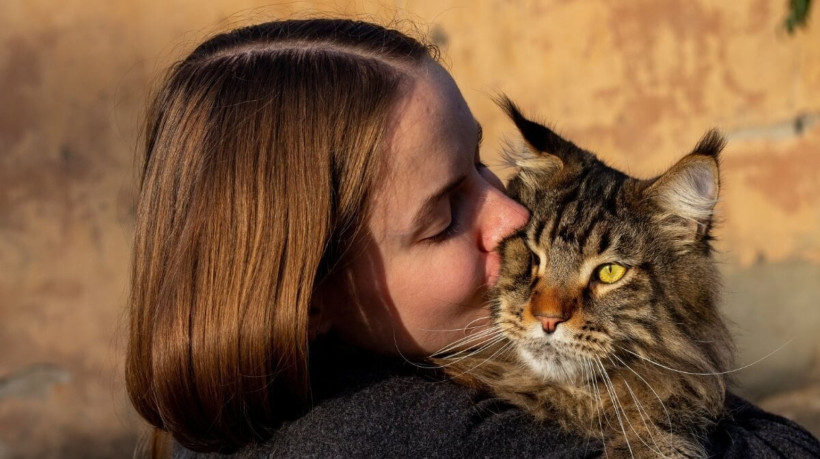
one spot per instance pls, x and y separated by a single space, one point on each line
638 82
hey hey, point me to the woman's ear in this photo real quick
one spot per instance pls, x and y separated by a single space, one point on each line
318 320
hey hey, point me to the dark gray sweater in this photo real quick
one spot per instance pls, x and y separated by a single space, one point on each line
367 406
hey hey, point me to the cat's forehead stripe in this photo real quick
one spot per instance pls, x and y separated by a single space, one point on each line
539 249
538 229
604 241
594 198
588 229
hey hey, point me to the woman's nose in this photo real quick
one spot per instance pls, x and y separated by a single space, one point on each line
500 218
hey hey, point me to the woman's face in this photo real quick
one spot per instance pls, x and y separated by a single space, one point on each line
420 280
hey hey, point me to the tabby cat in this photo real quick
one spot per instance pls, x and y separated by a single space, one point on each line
604 313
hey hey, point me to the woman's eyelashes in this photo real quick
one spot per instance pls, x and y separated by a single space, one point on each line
456 208
452 228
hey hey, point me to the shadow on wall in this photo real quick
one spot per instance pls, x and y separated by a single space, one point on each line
773 312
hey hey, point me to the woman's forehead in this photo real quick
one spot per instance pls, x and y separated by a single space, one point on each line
431 142
432 121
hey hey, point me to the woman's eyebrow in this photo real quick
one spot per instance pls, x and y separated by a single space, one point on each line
429 205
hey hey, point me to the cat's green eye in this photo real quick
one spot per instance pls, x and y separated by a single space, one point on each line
610 273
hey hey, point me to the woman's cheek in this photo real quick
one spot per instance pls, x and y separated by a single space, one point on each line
464 277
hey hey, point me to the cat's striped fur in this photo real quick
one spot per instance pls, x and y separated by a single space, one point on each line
639 362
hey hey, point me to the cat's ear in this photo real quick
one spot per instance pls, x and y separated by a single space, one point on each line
534 168
543 153
539 138
688 191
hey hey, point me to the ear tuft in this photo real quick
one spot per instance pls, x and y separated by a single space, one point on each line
538 137
711 144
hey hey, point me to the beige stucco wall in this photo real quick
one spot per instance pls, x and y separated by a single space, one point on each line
638 82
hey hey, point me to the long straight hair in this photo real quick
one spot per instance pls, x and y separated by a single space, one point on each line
262 148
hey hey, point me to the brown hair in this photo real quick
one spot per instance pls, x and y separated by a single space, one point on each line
261 150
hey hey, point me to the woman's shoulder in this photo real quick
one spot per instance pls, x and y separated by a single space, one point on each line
381 407
395 410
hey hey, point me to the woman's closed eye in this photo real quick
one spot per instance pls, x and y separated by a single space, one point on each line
455 209
452 227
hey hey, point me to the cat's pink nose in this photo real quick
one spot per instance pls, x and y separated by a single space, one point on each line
550 323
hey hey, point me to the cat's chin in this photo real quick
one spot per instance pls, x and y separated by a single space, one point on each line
552 366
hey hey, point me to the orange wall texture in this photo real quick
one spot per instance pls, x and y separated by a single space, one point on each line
636 81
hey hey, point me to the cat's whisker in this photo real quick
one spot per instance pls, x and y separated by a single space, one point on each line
485 343
717 373
663 405
585 377
435 366
502 349
455 359
616 404
460 342
465 341
648 426
416 363
452 360
469 326
643 416
592 381
412 362
603 415
601 408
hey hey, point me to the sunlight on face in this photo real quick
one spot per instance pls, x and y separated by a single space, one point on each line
421 278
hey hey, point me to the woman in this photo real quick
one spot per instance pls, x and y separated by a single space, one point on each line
314 212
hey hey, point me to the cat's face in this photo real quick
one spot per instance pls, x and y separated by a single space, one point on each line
610 269
573 284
